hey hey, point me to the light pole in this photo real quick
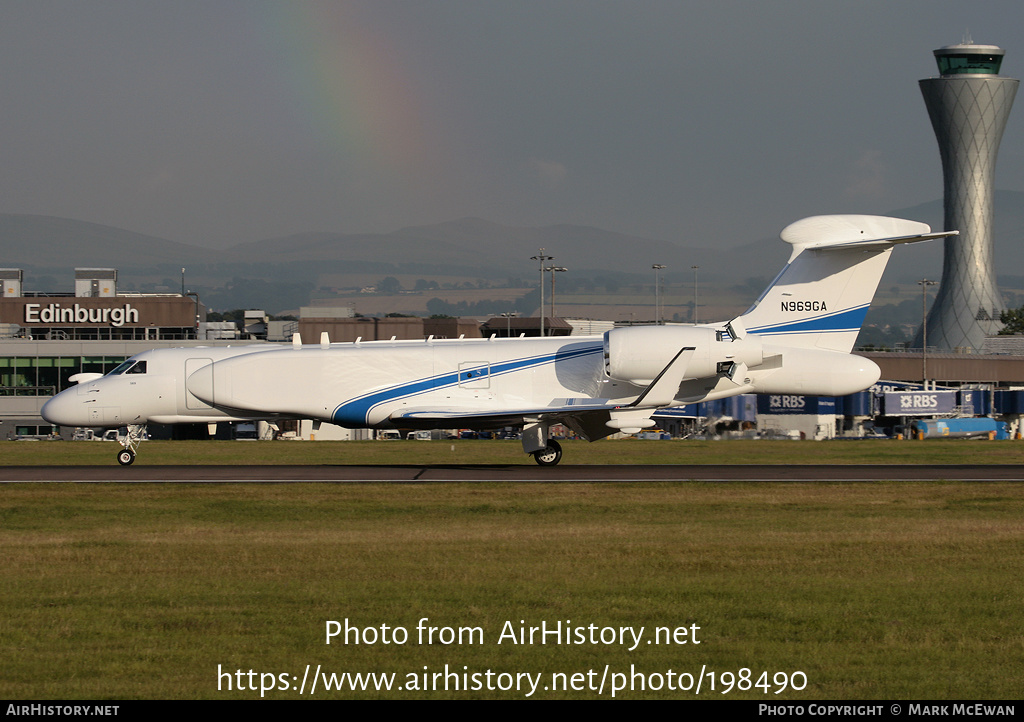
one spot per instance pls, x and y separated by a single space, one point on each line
540 258
552 270
658 267
193 293
924 283
695 269
508 322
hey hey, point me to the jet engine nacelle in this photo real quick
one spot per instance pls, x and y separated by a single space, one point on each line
637 354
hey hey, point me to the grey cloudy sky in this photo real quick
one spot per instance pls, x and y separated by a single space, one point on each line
219 121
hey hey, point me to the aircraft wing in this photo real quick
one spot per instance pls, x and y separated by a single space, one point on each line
591 418
498 417
587 418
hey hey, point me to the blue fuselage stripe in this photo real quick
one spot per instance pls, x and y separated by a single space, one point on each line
849 320
355 412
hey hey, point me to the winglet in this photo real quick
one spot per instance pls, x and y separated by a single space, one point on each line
662 391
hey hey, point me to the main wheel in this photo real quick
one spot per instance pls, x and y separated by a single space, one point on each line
125 457
550 455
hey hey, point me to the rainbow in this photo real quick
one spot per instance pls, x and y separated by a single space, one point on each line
351 84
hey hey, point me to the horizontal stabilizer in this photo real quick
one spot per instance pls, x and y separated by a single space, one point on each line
857 231
879 243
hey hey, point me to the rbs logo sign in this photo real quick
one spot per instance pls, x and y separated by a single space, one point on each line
788 402
796 404
919 403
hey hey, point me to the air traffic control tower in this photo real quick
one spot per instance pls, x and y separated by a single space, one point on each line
968 106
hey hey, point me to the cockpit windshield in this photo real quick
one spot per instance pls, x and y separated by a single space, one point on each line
131 366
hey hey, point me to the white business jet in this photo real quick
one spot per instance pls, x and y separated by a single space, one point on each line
795 339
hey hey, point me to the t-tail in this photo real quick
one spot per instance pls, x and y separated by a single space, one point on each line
821 297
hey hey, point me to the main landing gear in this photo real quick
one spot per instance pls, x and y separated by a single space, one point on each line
130 442
545 451
550 455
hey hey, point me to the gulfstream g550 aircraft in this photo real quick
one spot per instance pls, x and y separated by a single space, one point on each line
795 339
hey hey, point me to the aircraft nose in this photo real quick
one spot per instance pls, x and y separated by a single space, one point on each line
65 409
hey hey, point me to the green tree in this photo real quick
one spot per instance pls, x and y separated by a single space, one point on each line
1013 321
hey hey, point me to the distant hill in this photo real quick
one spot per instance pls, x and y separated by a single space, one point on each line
50 248
477 247
47 242
472 247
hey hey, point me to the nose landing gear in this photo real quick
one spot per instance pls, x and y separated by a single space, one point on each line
130 442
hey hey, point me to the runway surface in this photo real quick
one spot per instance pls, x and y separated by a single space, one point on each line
566 473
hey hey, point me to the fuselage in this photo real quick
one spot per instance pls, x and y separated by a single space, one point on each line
368 384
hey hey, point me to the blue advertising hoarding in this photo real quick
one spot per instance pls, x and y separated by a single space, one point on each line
794 404
918 403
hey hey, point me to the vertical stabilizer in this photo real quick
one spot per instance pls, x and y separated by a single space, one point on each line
821 297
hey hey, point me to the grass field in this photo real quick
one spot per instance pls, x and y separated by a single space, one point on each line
873 591
625 451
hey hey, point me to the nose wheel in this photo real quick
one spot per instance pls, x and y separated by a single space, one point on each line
130 442
550 455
